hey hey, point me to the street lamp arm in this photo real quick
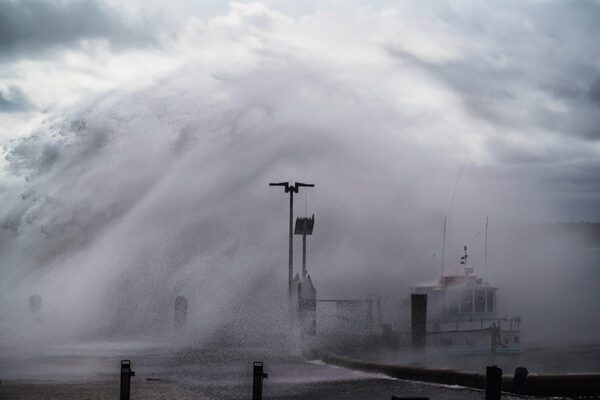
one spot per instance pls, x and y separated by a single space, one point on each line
285 184
299 184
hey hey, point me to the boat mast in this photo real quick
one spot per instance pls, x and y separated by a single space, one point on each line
485 250
443 247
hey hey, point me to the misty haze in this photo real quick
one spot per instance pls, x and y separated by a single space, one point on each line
444 165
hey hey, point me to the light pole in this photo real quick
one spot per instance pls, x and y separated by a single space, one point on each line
304 226
291 189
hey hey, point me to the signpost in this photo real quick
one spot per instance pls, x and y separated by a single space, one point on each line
291 189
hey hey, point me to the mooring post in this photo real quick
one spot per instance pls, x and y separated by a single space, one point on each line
418 315
126 374
257 380
493 383
520 380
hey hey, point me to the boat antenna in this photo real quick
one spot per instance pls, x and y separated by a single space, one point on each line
462 168
485 250
443 246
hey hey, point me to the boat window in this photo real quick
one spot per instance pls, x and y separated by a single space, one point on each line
490 300
452 298
466 300
480 301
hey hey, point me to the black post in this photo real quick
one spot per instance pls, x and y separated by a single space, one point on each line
520 380
493 383
418 315
257 380
126 374
291 247
304 257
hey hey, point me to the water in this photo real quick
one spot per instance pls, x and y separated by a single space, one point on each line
554 359
90 370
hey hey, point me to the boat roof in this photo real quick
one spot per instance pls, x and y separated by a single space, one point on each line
451 280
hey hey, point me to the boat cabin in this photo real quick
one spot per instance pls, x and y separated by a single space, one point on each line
462 316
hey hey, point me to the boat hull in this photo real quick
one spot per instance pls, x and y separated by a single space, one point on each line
477 341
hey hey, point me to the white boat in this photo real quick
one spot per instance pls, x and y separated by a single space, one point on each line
462 316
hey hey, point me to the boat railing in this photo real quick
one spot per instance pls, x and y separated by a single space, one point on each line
504 324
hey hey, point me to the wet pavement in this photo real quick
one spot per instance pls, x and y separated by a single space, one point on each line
91 371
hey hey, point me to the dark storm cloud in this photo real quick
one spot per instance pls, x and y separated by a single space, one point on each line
30 26
13 100
575 177
594 92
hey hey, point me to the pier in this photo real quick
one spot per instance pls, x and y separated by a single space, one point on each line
522 384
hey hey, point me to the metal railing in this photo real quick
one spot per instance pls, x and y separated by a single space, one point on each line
504 324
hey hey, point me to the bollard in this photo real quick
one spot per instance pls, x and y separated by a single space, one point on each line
520 378
493 383
257 381
126 374
418 316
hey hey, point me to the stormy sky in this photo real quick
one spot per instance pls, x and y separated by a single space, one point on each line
138 141
514 86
